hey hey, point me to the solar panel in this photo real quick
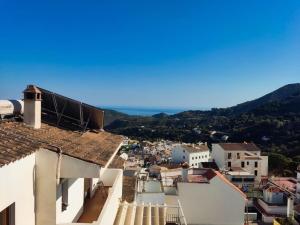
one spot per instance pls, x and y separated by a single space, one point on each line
70 112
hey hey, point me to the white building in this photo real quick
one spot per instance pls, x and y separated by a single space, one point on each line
54 175
191 154
204 195
277 200
242 162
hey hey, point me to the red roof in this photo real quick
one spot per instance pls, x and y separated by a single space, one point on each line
239 147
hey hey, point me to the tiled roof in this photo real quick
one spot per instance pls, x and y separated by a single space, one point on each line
117 163
253 158
197 148
239 147
237 169
18 140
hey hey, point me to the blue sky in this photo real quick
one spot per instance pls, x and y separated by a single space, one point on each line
169 53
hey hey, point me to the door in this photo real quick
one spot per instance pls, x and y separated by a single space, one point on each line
7 216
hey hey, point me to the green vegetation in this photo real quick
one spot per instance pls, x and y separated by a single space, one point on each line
272 122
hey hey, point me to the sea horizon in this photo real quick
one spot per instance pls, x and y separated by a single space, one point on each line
150 111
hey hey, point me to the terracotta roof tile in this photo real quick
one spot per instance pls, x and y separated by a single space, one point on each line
239 147
117 163
196 148
18 140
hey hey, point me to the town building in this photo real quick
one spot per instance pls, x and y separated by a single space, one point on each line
242 163
277 200
199 192
202 192
191 154
54 164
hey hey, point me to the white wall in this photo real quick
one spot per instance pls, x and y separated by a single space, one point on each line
153 198
75 201
48 209
221 158
196 158
192 158
264 165
280 210
273 197
218 155
178 153
73 168
46 170
215 203
114 178
17 186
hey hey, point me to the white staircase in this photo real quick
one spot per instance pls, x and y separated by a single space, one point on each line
133 214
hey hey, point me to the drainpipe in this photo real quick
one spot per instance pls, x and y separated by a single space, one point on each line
59 152
290 207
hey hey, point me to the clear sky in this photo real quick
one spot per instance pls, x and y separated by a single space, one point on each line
169 53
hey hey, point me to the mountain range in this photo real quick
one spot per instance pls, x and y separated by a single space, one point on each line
271 121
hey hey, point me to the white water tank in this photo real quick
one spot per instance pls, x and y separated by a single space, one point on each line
11 107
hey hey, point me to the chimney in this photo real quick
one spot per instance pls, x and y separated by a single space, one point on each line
32 106
184 174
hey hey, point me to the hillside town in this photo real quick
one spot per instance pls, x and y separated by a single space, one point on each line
59 166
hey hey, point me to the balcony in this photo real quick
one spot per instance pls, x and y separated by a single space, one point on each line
102 208
93 206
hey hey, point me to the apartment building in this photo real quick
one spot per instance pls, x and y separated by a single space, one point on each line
202 194
191 154
242 163
53 164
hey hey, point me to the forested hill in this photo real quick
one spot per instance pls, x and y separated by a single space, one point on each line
272 122
288 94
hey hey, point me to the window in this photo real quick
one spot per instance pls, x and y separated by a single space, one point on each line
242 164
196 157
192 157
229 164
7 216
255 172
192 164
183 150
183 157
229 155
255 164
247 163
236 179
238 155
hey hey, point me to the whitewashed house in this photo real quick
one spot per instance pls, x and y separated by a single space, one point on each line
242 162
52 173
204 195
191 154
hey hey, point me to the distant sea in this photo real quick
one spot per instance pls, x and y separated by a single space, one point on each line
143 111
